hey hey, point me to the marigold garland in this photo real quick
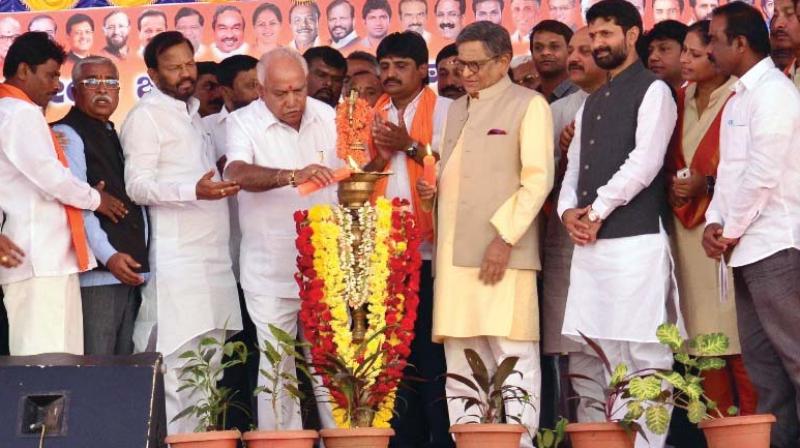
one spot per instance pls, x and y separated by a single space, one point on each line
352 124
392 299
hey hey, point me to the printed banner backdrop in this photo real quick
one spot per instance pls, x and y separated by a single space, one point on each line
253 27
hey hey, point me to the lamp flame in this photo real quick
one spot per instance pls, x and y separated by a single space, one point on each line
353 165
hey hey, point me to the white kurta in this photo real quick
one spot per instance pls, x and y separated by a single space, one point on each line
619 287
191 290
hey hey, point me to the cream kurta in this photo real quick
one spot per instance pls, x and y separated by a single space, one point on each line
464 306
697 274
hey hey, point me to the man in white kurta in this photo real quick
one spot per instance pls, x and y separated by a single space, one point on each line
273 144
169 167
611 203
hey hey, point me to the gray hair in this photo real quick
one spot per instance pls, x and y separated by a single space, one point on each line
91 60
495 38
279 53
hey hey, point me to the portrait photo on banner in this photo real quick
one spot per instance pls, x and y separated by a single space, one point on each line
221 29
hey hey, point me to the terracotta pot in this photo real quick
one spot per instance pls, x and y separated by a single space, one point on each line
749 431
211 439
280 439
480 435
356 437
599 435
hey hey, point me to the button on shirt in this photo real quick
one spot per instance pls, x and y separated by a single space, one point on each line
757 193
34 189
399 184
256 136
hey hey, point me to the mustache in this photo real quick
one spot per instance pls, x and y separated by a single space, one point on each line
779 33
388 80
217 102
575 66
338 28
596 52
447 25
102 97
452 88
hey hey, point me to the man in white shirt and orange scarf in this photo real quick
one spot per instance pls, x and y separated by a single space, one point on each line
409 118
43 204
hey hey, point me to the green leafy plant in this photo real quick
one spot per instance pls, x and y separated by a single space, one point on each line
279 382
200 375
552 438
492 391
648 397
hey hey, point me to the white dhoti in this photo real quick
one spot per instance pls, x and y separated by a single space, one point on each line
620 291
493 350
282 313
44 315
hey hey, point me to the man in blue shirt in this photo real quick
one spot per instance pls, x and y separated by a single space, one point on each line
110 293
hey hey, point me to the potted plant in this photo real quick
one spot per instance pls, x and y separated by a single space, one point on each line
722 429
614 432
489 405
200 375
280 384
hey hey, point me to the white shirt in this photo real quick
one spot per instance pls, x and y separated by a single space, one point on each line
220 55
34 189
656 121
216 124
619 286
192 289
399 183
757 193
564 112
256 136
293 45
345 41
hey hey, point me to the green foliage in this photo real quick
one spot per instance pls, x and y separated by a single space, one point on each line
656 418
620 372
552 438
645 388
491 392
281 377
200 375
713 344
670 335
696 411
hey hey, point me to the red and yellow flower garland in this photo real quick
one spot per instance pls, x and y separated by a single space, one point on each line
392 302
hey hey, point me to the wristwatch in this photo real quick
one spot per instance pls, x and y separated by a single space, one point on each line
593 216
710 183
412 150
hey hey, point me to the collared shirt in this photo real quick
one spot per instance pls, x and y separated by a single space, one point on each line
399 184
565 88
35 188
256 136
564 112
293 45
192 289
643 163
518 38
351 38
98 239
216 124
756 197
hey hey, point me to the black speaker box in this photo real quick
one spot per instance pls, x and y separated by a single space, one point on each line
68 401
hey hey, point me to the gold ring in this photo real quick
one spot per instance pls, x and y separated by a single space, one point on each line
4 259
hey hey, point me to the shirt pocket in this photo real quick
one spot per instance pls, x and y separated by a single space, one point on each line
738 140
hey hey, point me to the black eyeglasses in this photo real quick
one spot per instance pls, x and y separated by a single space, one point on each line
95 83
473 66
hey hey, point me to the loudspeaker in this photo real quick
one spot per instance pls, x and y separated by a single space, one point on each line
82 401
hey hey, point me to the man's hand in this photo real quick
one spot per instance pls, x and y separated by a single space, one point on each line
579 231
320 175
10 254
110 207
426 191
210 190
713 243
593 228
123 267
691 187
390 137
495 261
566 137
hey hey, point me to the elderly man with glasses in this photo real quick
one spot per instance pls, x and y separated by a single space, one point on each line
110 293
488 205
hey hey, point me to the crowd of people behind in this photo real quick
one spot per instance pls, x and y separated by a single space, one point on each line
613 181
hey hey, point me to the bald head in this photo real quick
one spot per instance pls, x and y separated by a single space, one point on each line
582 69
282 73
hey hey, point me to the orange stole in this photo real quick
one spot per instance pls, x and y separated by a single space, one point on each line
74 216
705 162
422 132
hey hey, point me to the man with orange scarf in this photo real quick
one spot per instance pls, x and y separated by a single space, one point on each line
691 167
43 204
409 118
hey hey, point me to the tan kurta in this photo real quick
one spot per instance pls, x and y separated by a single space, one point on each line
697 274
463 305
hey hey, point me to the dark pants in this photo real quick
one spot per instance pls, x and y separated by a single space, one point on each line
242 378
421 419
109 312
3 327
768 313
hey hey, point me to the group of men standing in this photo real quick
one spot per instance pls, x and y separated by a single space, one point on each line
190 219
